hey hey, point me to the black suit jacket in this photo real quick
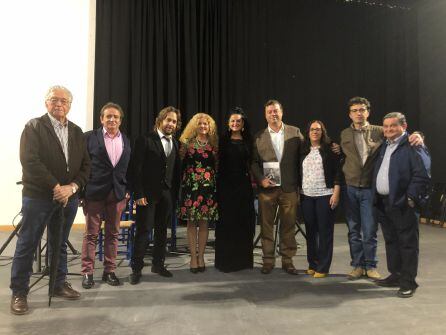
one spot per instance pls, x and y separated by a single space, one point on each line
103 176
149 167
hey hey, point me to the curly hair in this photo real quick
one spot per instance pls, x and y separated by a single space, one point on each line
190 131
163 114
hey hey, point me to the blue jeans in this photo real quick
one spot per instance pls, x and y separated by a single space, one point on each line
362 227
36 214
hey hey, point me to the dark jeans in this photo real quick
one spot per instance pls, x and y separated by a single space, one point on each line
35 216
157 215
362 227
401 235
319 225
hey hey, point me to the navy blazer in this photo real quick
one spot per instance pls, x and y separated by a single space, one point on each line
409 176
103 176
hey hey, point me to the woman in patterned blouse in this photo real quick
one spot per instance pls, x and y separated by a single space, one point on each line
320 177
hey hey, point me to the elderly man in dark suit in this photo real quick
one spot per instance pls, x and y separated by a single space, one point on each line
156 179
279 143
55 165
401 181
105 192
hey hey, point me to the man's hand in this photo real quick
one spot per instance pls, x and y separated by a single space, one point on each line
266 183
62 193
336 148
416 139
141 202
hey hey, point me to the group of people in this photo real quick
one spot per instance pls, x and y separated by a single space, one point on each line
385 174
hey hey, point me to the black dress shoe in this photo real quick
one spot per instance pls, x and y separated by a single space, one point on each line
162 271
194 270
111 279
201 268
135 277
405 292
88 281
390 281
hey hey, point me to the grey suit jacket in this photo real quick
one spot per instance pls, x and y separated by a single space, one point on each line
289 165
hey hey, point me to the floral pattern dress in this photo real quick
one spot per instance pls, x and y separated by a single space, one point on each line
198 184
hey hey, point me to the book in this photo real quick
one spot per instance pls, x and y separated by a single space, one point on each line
271 170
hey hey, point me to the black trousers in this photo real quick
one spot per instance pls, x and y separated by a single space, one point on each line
401 235
157 214
319 225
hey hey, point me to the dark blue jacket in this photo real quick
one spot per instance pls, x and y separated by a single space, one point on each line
103 176
409 175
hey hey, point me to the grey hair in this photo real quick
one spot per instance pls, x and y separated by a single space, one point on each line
59 87
396 115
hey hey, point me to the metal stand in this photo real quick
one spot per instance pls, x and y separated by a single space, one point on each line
276 231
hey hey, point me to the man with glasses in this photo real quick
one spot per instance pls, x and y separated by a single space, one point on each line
360 143
55 165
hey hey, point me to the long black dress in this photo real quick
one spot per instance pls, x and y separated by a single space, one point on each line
235 230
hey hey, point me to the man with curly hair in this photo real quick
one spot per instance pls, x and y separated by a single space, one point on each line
156 179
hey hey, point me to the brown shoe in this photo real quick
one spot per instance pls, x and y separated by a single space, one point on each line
289 268
19 304
267 268
373 274
356 273
66 292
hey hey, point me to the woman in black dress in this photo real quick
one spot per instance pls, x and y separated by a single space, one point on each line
234 232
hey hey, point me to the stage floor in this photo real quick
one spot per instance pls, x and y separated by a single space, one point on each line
245 302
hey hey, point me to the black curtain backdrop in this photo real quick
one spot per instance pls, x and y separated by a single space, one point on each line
432 59
210 55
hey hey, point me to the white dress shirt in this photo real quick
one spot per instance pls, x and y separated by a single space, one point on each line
166 141
278 140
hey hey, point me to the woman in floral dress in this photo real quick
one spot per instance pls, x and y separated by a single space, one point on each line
198 203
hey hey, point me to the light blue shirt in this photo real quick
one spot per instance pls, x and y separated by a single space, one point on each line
382 179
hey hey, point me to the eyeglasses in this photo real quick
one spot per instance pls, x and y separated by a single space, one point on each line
360 110
317 130
62 101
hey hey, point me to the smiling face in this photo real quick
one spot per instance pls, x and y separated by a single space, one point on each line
315 133
273 115
236 123
202 126
359 114
111 120
393 128
169 124
58 104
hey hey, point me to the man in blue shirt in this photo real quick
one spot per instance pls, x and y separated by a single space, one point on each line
400 183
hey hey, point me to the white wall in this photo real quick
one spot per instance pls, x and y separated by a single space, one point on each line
42 43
